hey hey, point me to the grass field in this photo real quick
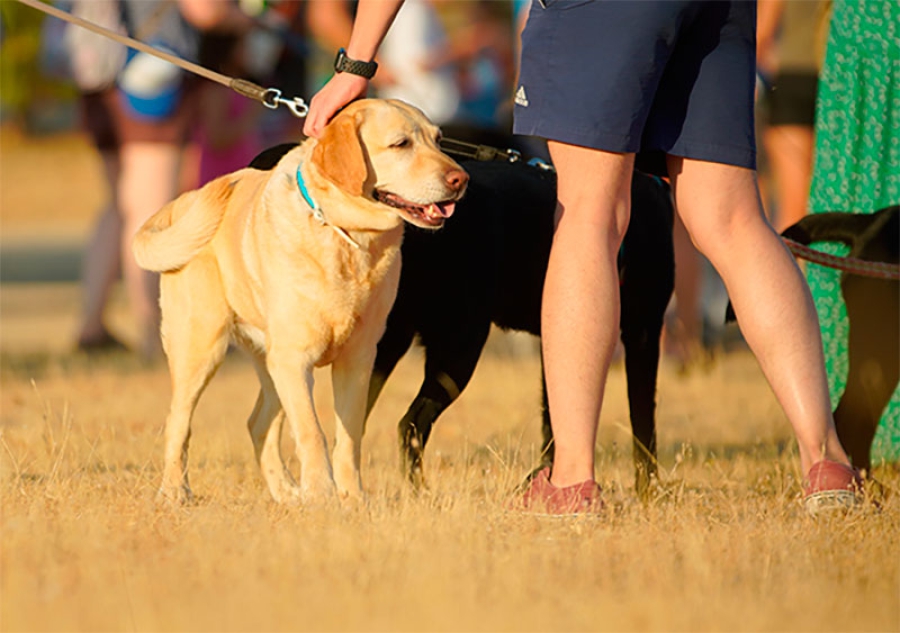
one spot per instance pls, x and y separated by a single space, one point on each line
85 546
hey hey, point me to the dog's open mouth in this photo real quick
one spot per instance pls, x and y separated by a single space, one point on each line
431 214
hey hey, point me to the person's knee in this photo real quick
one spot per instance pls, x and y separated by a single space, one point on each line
719 206
596 225
725 229
594 189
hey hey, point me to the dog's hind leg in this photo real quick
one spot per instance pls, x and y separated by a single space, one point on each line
647 275
642 325
548 449
641 366
195 341
265 424
873 364
449 365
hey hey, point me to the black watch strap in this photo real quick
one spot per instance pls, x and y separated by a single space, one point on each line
343 64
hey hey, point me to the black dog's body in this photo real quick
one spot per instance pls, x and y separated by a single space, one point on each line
486 266
873 313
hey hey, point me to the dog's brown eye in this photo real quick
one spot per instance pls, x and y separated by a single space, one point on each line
404 142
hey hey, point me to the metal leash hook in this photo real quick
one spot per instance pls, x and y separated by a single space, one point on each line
272 98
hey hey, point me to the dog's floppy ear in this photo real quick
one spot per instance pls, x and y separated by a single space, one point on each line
339 155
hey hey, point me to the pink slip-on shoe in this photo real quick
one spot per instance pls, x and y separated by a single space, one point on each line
830 486
541 497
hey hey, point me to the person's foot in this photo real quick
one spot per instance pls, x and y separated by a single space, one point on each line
100 343
543 498
830 486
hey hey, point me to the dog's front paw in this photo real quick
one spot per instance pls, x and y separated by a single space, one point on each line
286 494
179 495
347 481
317 490
350 488
354 501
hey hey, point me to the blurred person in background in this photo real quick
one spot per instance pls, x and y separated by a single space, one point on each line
788 61
140 125
453 60
228 134
410 68
309 31
683 334
856 165
480 50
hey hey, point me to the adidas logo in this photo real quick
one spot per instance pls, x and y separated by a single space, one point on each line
521 99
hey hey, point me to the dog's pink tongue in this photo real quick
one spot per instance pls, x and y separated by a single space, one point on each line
441 209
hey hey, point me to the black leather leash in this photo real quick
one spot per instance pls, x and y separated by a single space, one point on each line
479 152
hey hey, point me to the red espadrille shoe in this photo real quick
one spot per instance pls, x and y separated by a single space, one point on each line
543 498
830 486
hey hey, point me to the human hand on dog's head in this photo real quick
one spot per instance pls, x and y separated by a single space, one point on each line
342 89
371 24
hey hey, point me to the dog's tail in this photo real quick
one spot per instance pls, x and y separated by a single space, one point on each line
175 233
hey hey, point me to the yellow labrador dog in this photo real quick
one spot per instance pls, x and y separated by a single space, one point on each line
299 265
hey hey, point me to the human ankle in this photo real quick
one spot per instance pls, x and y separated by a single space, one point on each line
562 476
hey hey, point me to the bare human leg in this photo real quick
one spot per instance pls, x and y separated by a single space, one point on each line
790 149
101 262
722 211
581 305
686 333
149 180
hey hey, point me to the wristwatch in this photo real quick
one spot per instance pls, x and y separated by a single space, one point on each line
343 64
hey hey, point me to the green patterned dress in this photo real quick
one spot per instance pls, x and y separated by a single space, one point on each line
857 164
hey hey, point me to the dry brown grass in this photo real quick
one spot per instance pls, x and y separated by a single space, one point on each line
85 546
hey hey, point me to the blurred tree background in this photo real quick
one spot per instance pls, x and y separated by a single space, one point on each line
36 94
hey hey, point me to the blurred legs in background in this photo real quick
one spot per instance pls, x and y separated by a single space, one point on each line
149 180
100 265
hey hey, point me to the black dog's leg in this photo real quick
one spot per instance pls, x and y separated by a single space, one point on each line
648 279
449 364
641 368
642 349
873 364
547 447
548 450
391 348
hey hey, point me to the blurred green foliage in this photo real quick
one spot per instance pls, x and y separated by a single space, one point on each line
23 83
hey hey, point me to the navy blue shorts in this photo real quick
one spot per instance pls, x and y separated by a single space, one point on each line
655 77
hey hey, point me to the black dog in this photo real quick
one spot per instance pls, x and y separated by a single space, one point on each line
487 266
873 313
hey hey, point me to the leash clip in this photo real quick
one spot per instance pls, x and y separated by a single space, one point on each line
272 99
513 155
